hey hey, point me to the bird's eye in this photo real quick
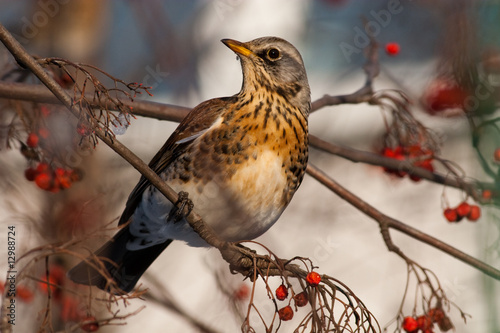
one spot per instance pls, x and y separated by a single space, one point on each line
273 54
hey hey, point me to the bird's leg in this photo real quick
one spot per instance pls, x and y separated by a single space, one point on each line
177 212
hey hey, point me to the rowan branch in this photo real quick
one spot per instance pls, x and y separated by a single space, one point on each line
40 94
359 156
385 222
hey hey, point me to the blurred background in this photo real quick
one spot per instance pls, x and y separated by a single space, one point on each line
175 47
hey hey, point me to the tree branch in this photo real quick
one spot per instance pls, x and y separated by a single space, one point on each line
40 94
357 156
385 222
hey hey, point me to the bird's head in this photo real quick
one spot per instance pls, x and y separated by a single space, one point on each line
275 65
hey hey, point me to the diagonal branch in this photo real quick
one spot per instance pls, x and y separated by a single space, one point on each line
385 222
354 155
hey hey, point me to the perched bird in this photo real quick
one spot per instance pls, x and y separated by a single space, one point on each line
239 158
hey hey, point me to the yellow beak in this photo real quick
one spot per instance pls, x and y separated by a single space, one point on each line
237 47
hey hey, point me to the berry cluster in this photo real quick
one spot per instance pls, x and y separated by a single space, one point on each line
470 212
301 299
496 155
418 156
51 179
71 309
444 96
23 293
425 323
34 138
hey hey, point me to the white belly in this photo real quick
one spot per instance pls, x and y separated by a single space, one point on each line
241 209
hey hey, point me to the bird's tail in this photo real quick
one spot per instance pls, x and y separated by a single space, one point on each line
115 268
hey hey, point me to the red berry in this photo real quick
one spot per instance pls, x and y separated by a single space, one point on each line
424 323
42 167
30 174
392 49
43 132
426 164
25 294
301 299
89 324
436 314
388 152
55 186
83 129
313 279
396 153
58 273
44 286
487 195
45 111
451 215
64 80
410 324
43 180
444 95
57 276
282 292
496 155
285 313
474 214
63 177
32 140
241 293
463 209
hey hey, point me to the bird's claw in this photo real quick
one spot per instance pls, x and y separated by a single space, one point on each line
183 201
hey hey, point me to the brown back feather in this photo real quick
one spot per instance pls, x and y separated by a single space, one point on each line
199 119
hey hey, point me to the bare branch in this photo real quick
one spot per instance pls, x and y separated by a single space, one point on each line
40 94
385 222
356 156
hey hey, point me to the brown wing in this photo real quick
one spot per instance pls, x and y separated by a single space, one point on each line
198 120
